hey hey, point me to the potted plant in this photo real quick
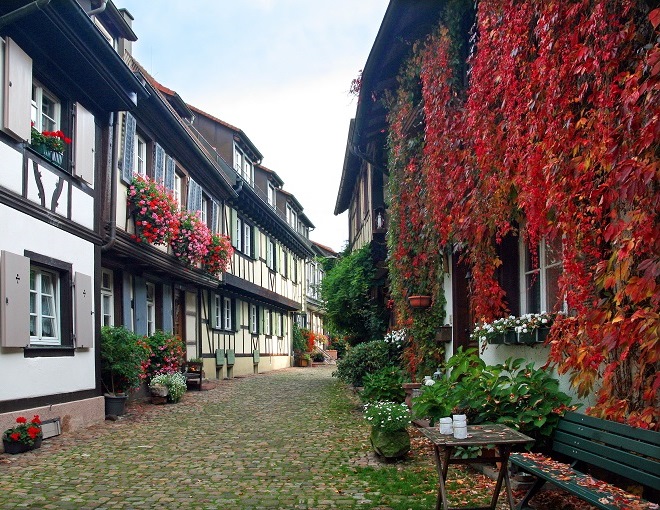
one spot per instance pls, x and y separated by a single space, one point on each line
123 357
174 382
389 434
50 144
24 436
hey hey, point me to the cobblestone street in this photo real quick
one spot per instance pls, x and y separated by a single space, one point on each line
266 441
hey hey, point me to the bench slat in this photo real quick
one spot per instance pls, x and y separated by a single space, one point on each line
636 463
651 480
646 448
648 436
599 494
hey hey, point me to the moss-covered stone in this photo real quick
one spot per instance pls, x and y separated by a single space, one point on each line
390 445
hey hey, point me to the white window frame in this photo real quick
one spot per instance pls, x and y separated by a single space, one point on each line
254 319
540 274
238 160
107 298
151 308
247 239
204 212
227 315
270 253
177 188
140 155
271 195
37 296
37 114
268 330
217 311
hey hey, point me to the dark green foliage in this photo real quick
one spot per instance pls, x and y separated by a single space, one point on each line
363 359
384 384
350 311
123 354
513 393
339 345
298 342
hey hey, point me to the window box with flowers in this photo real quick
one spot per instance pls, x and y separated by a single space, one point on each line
219 254
191 243
528 329
24 436
50 144
154 210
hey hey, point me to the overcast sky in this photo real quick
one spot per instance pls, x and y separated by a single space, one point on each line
280 70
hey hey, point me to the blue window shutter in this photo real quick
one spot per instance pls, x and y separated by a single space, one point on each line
198 198
215 217
128 148
140 305
169 173
159 164
194 190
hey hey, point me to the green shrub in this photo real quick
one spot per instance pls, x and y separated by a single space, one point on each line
338 344
513 393
384 384
298 343
175 383
123 356
363 359
387 416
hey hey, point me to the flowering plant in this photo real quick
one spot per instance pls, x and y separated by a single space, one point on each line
155 211
52 140
166 355
524 324
25 432
397 337
219 253
191 242
175 383
387 416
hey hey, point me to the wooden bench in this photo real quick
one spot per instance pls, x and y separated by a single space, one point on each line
630 452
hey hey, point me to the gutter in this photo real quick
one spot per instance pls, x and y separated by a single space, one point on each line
112 224
10 17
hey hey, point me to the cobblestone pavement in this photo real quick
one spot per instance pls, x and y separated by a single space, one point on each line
264 441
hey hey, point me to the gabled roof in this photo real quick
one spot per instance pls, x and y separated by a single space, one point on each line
405 22
272 174
237 131
324 251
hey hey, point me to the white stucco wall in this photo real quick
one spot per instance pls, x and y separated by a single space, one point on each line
22 377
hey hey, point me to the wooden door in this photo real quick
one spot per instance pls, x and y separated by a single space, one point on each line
463 321
180 314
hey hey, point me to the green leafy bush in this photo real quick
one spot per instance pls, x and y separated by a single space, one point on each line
175 383
361 360
513 393
299 344
384 384
123 355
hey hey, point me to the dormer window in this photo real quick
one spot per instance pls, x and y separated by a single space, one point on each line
271 195
291 217
243 166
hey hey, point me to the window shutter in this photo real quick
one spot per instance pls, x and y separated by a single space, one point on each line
262 321
194 196
170 166
257 242
18 91
279 259
84 310
159 164
84 141
14 300
168 309
236 305
128 147
140 305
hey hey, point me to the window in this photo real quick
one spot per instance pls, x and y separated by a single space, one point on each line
44 307
227 314
243 234
285 263
271 195
46 109
204 211
541 287
217 312
278 324
291 217
267 323
151 309
107 298
254 319
243 165
238 160
140 156
270 254
177 189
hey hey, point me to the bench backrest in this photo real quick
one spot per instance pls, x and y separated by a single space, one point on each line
627 451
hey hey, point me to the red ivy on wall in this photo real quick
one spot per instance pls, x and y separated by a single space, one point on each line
556 136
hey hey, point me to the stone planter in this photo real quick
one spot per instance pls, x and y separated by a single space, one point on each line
390 445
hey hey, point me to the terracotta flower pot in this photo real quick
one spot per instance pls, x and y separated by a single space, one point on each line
419 301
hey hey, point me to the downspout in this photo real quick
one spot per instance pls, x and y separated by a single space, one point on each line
112 224
98 10
22 11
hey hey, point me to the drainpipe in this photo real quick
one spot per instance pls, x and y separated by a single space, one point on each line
113 185
98 10
22 11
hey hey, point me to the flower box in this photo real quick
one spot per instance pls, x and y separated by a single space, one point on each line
510 337
542 335
526 338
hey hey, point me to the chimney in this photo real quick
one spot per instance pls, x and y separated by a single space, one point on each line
124 44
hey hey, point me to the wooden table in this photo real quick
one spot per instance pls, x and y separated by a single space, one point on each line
499 436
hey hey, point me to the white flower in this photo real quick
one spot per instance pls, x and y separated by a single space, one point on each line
429 382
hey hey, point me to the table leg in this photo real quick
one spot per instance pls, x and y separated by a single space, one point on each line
502 475
442 456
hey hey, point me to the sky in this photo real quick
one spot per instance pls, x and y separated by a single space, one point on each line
280 70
